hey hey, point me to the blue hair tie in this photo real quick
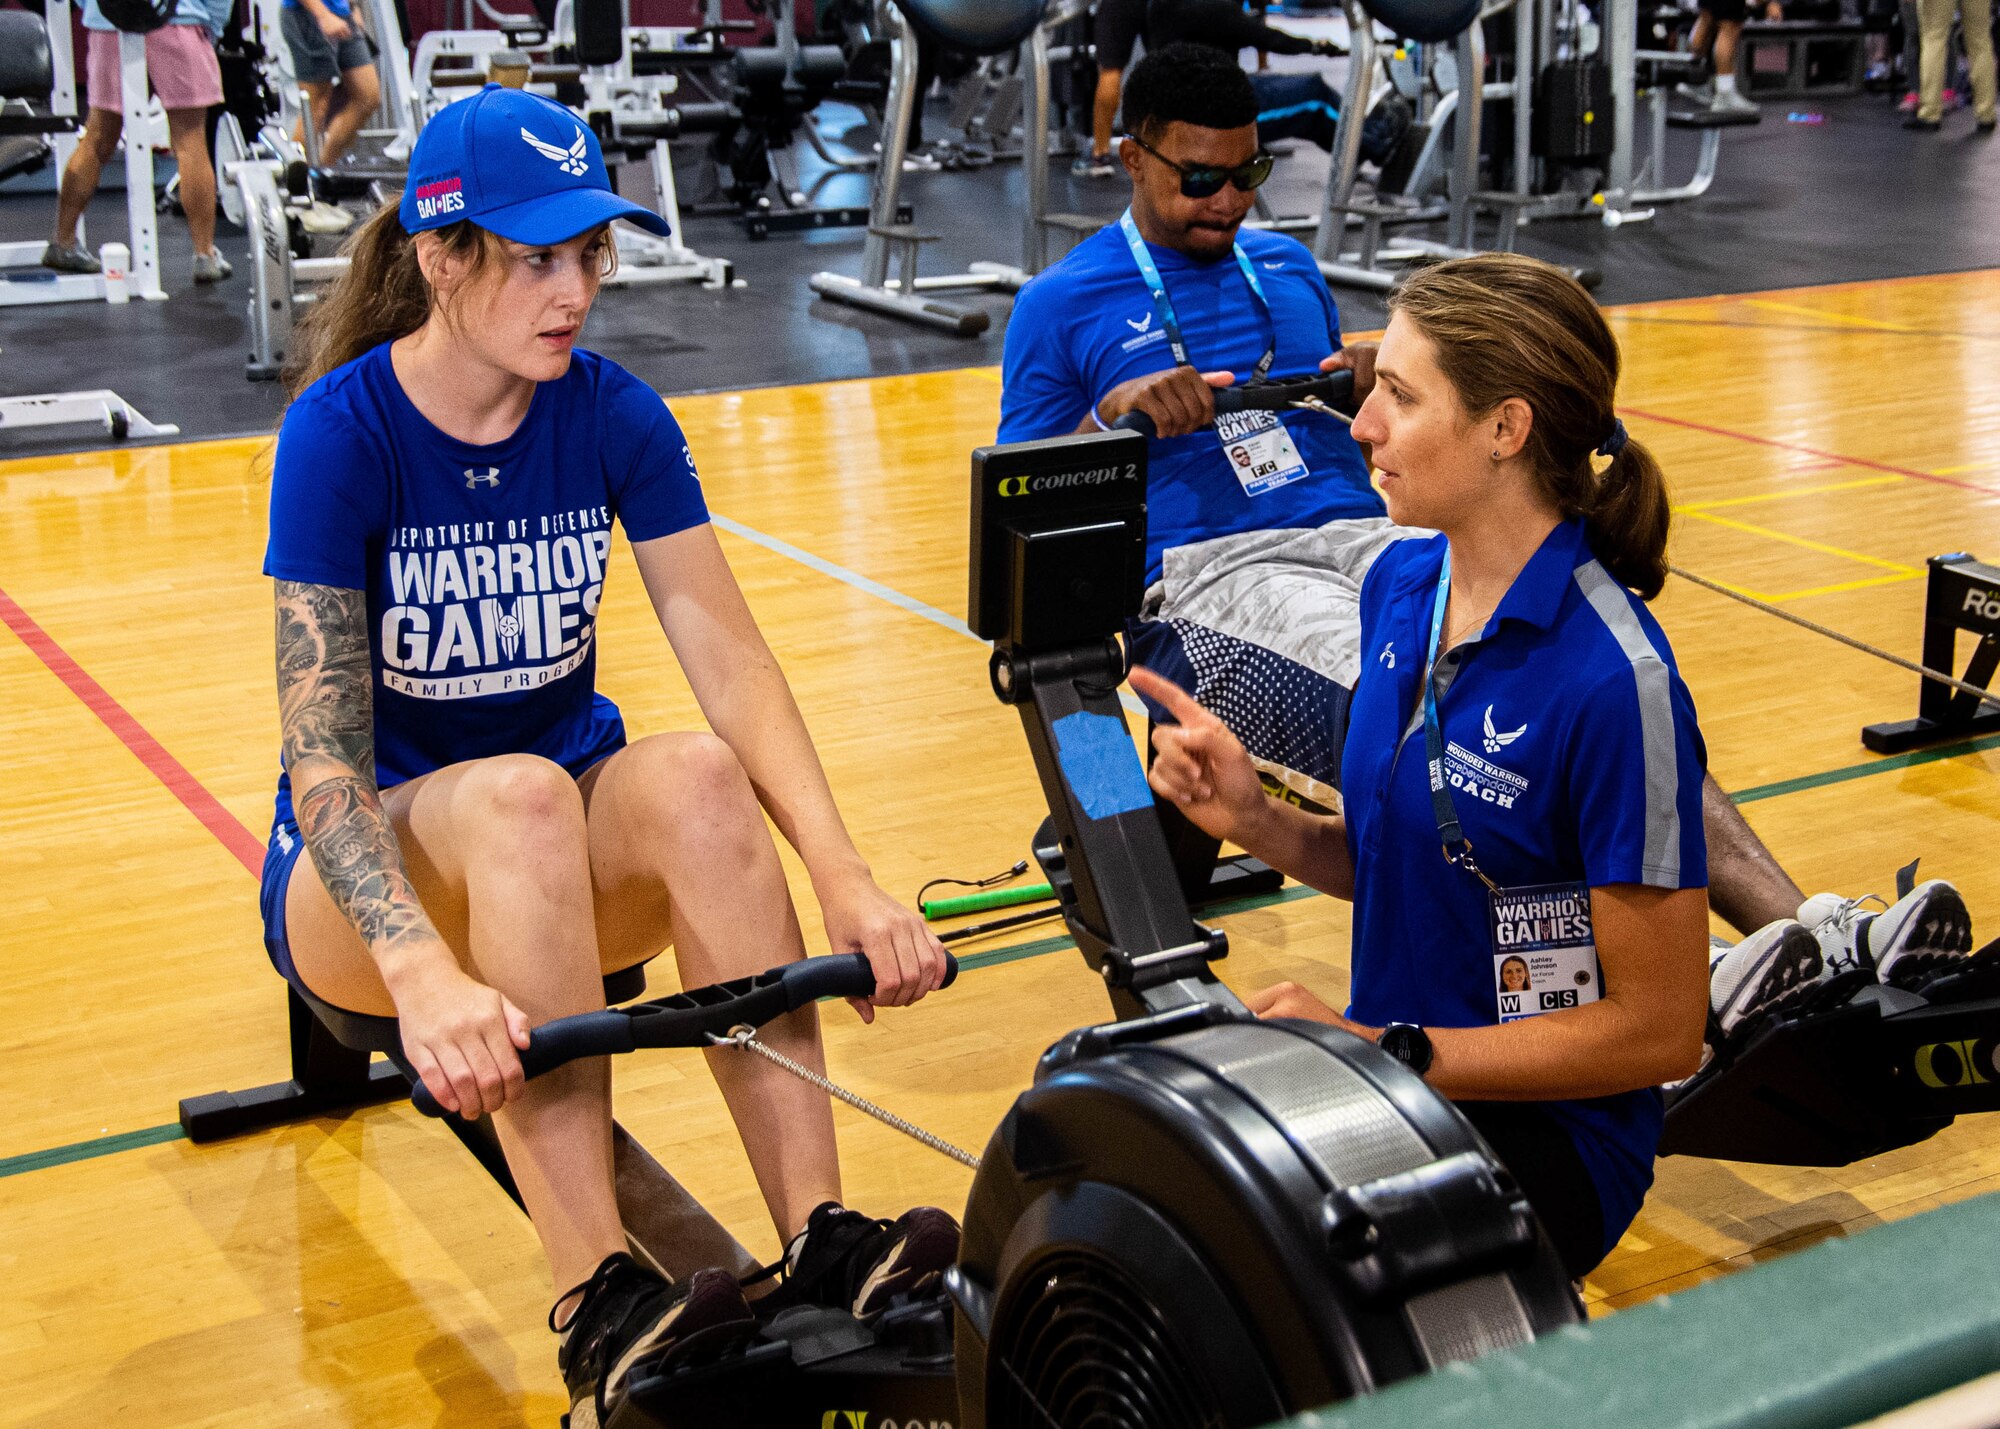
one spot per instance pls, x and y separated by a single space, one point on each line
1615 443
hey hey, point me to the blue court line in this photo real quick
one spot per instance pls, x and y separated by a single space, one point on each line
845 576
871 586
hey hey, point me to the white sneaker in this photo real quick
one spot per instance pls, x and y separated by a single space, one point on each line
324 217
1763 973
1924 933
1730 101
1702 94
211 267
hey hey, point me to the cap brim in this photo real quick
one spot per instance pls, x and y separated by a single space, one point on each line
557 218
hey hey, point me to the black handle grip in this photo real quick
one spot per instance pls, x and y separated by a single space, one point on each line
688 1019
1335 389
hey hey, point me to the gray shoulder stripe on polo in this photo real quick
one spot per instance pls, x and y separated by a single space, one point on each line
1656 718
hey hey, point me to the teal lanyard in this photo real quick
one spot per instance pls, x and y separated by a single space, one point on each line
1164 307
1457 847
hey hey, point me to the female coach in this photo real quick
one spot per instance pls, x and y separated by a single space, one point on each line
1522 768
484 842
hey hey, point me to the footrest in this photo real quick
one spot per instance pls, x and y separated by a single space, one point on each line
904 233
1074 222
1712 118
1507 198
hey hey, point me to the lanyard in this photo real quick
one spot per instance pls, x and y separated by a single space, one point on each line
1457 847
1150 271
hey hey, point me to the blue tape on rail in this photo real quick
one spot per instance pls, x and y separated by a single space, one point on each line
1097 758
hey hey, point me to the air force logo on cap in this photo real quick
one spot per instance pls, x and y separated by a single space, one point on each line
471 163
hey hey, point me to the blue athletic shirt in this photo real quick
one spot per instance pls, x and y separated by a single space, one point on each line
1573 755
484 565
1088 324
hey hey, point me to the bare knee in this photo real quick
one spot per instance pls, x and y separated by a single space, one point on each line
519 797
360 89
687 778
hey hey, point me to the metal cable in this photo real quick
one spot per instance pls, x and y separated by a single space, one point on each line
1964 687
746 1038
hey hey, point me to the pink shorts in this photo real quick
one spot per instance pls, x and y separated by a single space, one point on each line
179 60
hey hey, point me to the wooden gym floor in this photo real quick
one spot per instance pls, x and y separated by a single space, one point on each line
1821 443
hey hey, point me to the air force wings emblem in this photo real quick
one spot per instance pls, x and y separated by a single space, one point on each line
1495 740
570 160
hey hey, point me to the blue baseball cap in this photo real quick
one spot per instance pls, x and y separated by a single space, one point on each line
516 164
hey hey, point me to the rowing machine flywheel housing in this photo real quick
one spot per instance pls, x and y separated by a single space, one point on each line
1201 1219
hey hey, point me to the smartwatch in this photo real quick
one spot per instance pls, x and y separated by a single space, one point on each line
1408 1044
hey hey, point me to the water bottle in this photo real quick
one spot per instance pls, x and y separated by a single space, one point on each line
115 259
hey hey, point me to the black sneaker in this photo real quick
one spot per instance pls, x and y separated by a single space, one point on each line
846 1261
627 1313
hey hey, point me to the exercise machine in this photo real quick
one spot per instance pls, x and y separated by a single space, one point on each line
38 91
38 126
980 27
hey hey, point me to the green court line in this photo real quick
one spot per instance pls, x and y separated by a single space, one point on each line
1885 765
1017 952
90 1150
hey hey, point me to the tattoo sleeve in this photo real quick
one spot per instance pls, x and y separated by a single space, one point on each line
327 713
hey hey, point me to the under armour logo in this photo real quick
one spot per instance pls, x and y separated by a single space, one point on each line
1496 741
1142 325
570 160
488 477
1388 655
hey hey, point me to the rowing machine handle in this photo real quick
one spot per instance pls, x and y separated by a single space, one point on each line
1335 389
753 1001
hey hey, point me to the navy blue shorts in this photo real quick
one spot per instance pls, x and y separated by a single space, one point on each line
280 858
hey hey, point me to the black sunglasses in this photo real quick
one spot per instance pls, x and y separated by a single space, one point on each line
1205 181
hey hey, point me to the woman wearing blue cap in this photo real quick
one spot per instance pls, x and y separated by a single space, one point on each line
483 841
1522 834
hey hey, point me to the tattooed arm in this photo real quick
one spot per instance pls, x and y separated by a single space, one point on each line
460 1034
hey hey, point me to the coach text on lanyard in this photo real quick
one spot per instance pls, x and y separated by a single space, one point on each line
1260 450
1544 952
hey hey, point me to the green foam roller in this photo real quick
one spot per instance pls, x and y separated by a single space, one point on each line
980 902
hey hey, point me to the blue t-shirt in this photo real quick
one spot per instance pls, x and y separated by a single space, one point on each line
484 565
342 8
1572 749
1087 324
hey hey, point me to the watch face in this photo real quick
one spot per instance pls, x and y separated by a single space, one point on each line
1408 1045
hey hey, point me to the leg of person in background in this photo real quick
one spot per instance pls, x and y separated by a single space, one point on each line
1104 113
1978 16
1934 19
1701 41
1727 96
1906 11
187 129
79 182
1747 887
359 92
1296 106
319 96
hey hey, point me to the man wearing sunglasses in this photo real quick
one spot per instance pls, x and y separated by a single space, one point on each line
1250 522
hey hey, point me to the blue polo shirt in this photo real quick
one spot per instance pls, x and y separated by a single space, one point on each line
1087 324
1572 747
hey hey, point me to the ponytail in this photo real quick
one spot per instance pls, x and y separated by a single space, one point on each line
1506 325
382 296
1627 520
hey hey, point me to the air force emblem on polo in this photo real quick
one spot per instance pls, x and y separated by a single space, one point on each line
516 164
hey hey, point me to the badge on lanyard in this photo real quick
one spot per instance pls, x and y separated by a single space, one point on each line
1544 953
1544 950
1260 450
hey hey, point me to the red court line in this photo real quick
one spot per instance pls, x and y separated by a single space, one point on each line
249 850
1910 472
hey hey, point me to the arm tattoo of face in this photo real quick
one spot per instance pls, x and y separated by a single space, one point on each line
327 711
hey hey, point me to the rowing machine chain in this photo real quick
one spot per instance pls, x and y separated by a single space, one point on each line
1964 687
746 1038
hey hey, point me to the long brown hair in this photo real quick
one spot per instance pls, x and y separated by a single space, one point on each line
1511 326
384 295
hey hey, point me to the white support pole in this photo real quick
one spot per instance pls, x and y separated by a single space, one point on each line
140 216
